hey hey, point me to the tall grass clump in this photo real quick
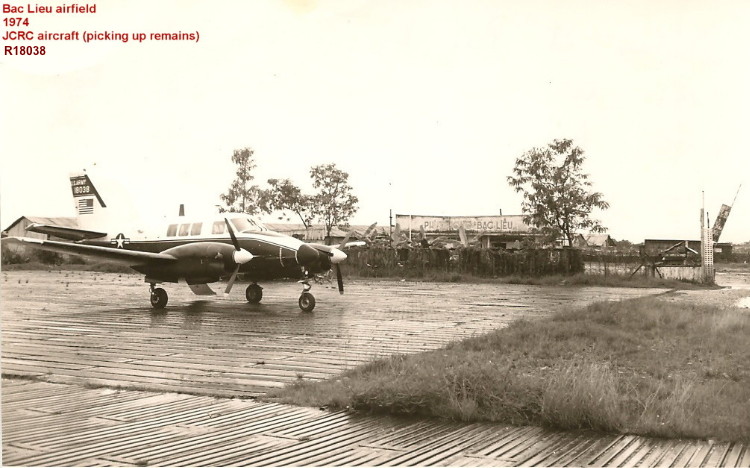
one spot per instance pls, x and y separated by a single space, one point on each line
583 396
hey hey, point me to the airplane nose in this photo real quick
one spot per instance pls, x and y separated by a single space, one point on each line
337 256
307 255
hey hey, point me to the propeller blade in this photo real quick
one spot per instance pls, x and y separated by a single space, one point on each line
231 234
231 280
396 234
369 230
339 279
346 239
462 235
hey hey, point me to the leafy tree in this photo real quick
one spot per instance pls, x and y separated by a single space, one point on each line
334 203
556 197
283 195
241 196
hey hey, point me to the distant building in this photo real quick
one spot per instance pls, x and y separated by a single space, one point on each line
506 232
600 241
18 227
657 246
677 247
579 241
317 232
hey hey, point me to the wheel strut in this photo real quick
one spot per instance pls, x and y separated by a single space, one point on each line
306 299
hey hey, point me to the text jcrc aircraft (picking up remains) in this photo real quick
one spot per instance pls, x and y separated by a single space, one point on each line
195 251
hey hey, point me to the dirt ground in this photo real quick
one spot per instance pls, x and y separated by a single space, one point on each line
734 281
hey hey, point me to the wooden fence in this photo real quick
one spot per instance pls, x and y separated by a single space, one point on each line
418 263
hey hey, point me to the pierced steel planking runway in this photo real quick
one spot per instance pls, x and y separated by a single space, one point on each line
93 328
54 424
76 330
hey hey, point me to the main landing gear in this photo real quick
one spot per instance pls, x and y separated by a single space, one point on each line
254 293
306 299
159 297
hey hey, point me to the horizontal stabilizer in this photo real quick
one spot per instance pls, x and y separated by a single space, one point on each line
202 289
62 232
128 257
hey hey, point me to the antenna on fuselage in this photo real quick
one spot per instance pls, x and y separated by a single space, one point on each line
182 209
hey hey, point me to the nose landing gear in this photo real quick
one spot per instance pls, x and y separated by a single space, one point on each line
306 299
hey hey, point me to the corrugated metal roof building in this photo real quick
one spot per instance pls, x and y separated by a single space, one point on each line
317 232
18 227
600 240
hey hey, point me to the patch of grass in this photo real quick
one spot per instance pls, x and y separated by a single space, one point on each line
642 366
579 279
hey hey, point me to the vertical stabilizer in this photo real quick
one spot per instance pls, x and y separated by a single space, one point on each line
89 204
87 199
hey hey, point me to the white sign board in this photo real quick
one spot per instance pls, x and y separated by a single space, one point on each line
474 224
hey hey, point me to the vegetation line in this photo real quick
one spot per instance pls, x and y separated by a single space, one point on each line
580 279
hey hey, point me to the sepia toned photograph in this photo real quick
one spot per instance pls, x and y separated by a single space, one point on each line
375 233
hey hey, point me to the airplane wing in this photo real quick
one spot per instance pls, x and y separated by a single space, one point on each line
353 244
65 232
128 257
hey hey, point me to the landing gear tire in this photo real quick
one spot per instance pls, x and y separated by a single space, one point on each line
159 298
306 302
254 293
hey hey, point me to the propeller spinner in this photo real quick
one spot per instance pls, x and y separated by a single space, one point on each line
309 254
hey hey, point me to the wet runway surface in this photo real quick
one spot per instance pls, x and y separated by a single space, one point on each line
94 377
93 328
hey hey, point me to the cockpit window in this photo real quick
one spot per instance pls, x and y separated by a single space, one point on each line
172 230
184 229
247 225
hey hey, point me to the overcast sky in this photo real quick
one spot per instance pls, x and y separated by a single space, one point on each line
426 104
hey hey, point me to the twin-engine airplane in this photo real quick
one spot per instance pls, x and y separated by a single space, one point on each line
195 251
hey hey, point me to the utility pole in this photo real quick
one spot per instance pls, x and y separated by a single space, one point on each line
707 246
390 227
